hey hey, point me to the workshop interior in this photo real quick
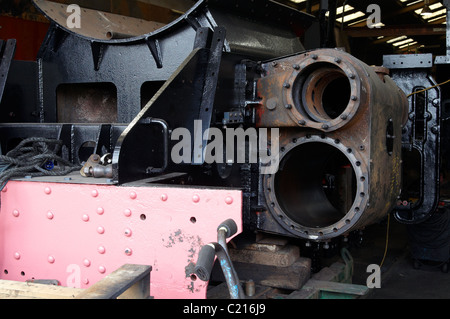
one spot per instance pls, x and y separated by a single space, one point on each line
242 149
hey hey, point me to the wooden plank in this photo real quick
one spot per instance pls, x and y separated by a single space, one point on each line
26 290
116 283
269 255
290 277
336 287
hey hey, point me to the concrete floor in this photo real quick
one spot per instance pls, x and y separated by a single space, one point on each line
399 279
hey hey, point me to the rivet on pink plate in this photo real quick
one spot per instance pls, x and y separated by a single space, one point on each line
50 215
47 190
85 281
133 195
85 217
94 193
87 262
51 259
100 230
100 210
17 255
229 200
195 198
15 213
127 232
128 251
102 269
101 249
164 197
127 212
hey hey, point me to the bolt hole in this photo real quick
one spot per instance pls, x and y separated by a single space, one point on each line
143 217
5 271
22 273
193 220
193 277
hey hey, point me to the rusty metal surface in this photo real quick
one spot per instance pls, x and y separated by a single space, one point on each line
340 142
97 24
86 103
309 95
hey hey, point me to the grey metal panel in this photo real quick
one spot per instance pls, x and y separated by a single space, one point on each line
408 61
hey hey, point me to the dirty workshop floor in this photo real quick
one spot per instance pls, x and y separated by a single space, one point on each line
399 279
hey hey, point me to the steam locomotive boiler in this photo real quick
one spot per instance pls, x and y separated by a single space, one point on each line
169 130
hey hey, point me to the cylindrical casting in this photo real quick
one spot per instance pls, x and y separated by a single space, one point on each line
340 143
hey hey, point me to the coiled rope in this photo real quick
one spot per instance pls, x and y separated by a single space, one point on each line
35 156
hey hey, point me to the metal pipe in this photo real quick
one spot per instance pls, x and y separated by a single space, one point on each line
234 282
206 256
110 34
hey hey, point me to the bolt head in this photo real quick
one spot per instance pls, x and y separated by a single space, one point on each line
229 200
195 198
127 212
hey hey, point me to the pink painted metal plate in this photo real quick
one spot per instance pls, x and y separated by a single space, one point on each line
77 234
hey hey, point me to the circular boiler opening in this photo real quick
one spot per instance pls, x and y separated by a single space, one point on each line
323 92
315 185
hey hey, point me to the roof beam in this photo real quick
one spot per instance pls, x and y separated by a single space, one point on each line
388 31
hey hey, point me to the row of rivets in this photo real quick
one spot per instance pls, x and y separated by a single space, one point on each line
101 230
85 217
133 195
127 212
